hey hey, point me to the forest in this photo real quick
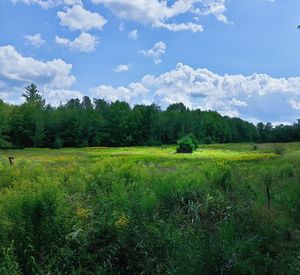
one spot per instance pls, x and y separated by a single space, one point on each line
95 122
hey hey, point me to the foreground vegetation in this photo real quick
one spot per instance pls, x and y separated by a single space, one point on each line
225 209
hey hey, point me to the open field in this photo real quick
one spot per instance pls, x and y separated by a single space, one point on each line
225 209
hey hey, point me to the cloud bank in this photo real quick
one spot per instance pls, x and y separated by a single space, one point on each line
53 77
255 97
158 14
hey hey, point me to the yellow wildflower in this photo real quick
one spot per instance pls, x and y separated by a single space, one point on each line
83 213
122 221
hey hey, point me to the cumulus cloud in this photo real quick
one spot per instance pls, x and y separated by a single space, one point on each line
85 42
257 97
181 27
60 96
16 68
78 18
17 71
237 103
295 104
213 7
35 40
134 34
46 4
122 68
112 94
158 13
155 52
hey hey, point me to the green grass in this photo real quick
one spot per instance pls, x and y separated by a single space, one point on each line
149 210
220 152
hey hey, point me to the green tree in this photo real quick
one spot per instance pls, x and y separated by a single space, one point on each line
5 112
30 119
32 95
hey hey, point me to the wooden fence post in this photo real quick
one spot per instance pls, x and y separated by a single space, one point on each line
11 160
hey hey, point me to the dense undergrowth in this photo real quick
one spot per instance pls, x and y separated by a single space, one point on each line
132 211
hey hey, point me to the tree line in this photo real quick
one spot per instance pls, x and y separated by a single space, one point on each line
87 122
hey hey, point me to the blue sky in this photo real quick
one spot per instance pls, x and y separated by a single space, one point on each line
238 57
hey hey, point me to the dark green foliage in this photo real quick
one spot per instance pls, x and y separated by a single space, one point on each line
57 143
4 124
86 122
9 263
187 144
32 217
32 95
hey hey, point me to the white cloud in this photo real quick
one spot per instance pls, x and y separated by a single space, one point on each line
158 49
72 2
157 13
238 103
14 67
46 4
257 97
122 68
17 71
121 27
277 123
295 104
214 7
85 42
78 18
134 34
57 97
35 40
181 27
112 94
4 96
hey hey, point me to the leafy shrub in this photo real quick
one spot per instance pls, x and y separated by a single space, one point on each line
187 144
57 143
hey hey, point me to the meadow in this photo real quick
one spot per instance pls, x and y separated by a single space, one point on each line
224 209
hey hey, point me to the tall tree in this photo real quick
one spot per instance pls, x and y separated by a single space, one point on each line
33 114
5 111
32 95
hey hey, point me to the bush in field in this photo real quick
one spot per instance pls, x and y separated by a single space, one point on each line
187 144
58 143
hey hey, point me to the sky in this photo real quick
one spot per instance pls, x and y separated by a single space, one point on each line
237 57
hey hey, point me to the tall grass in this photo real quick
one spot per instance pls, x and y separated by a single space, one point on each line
148 211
